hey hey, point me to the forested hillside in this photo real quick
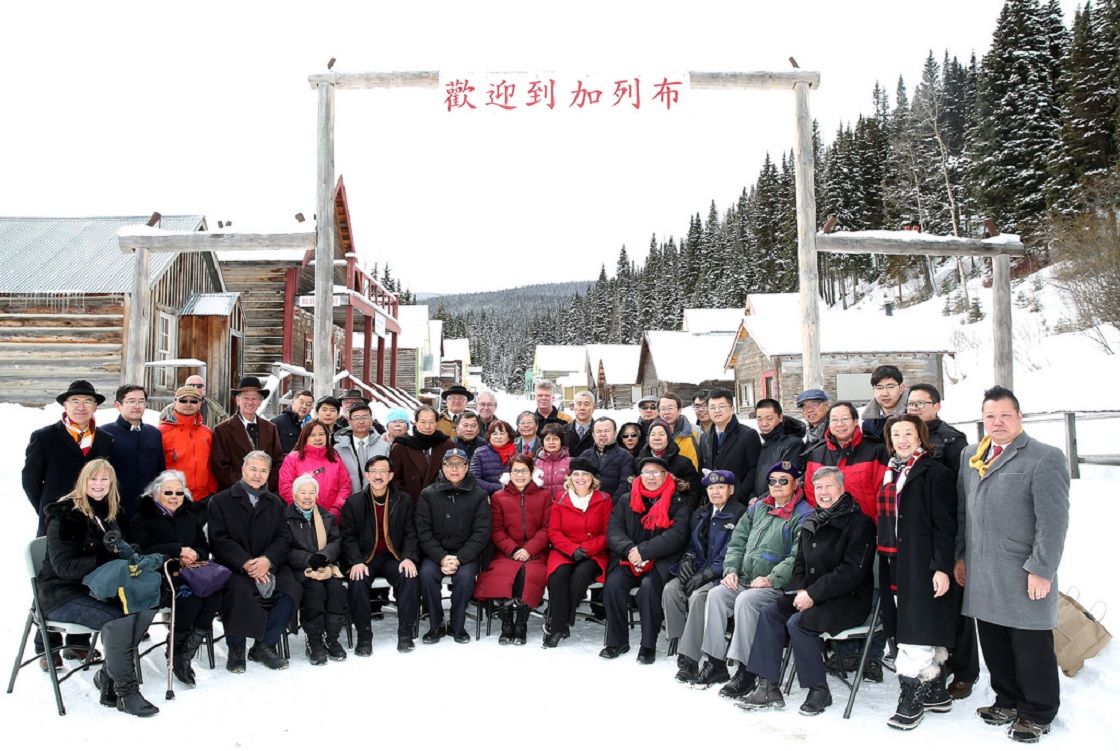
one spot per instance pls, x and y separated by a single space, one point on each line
1025 137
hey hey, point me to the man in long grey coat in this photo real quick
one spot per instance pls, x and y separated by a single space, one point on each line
1012 532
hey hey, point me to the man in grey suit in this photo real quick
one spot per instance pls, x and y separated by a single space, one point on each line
1012 532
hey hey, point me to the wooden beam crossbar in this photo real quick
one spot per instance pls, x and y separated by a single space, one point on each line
200 242
948 246
756 79
415 79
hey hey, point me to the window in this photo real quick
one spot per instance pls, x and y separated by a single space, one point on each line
309 354
768 385
165 349
746 395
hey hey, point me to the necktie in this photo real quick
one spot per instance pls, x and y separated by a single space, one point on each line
581 430
996 452
251 429
361 452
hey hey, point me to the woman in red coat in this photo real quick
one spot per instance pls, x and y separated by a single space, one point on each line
578 532
516 576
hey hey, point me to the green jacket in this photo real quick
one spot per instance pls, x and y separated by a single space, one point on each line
764 542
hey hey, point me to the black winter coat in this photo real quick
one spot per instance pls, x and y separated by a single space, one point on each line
947 443
74 550
305 543
927 529
680 467
616 467
54 462
239 532
453 520
738 453
783 443
572 441
138 459
833 565
288 428
357 527
662 546
156 532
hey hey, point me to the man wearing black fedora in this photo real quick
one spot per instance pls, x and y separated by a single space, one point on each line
57 453
455 401
242 433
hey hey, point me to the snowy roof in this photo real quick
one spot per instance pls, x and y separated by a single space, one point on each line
562 358
620 361
777 331
686 357
457 349
776 303
573 379
414 326
711 320
42 255
210 304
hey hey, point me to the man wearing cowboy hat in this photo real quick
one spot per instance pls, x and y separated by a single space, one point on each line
455 402
242 433
57 453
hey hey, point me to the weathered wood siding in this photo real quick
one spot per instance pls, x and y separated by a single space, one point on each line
46 342
261 285
749 367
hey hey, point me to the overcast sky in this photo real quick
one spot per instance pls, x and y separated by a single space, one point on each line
129 108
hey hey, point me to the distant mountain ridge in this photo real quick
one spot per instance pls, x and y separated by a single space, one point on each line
533 297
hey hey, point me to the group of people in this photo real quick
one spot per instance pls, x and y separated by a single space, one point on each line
789 532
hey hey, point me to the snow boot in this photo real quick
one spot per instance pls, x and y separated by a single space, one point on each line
910 711
316 651
334 649
520 622
102 680
714 671
764 696
505 612
689 669
404 638
119 640
742 684
184 655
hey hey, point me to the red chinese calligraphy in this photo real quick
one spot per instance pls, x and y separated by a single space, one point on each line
582 96
542 92
626 90
667 93
457 93
500 95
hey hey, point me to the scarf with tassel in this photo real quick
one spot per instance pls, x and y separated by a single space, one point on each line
84 438
886 502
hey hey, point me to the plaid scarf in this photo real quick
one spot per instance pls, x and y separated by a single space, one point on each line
84 438
886 502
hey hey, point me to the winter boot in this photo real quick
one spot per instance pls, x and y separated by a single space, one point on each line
764 696
235 661
520 623
120 651
505 612
936 697
267 655
910 711
689 669
334 648
364 647
714 671
742 684
102 680
316 651
404 638
184 655
817 701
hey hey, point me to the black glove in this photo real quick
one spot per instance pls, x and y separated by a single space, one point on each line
699 579
580 555
111 540
687 567
317 560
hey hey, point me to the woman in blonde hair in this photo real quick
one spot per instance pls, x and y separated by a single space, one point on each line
83 534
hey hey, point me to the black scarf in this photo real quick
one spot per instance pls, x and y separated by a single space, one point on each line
423 442
822 516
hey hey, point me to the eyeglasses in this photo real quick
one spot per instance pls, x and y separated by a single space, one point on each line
455 465
783 481
885 387
519 471
653 472
379 472
76 402
840 421
917 405
185 400
134 402
179 493
360 418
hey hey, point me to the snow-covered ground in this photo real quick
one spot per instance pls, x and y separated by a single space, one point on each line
482 695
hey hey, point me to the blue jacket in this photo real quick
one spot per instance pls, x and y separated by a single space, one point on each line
616 466
709 535
137 457
486 466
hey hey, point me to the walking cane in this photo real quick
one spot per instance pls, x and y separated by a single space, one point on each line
170 695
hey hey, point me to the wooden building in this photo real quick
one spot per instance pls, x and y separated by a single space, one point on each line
612 372
65 288
683 362
767 361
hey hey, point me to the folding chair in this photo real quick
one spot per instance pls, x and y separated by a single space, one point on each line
33 557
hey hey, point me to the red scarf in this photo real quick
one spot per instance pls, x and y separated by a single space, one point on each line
658 515
84 438
886 502
505 452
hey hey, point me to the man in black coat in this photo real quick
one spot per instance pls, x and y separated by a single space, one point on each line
453 525
729 445
616 465
249 535
832 586
137 448
289 423
57 453
379 540
782 438
577 433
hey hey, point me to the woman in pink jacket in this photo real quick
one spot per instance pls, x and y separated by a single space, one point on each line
552 460
315 456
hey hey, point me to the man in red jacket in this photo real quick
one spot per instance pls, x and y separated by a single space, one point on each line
862 462
187 443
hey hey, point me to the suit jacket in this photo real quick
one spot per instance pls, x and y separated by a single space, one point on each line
53 463
231 444
574 443
138 459
1011 523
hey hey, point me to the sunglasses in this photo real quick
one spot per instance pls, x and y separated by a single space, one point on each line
184 400
629 435
173 492
783 481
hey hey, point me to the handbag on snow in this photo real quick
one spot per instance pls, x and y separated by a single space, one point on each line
1079 635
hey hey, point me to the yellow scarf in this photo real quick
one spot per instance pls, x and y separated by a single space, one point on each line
977 462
